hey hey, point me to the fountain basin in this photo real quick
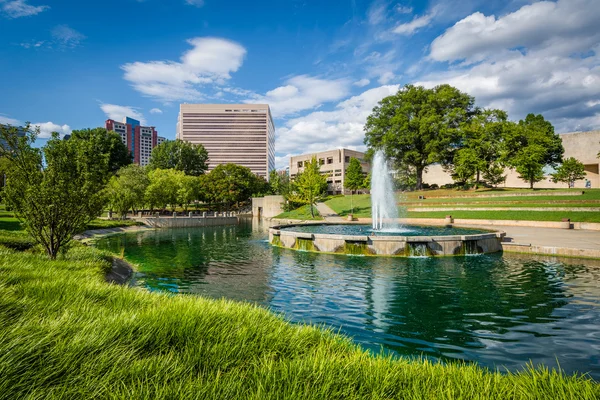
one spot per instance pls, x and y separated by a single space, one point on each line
409 241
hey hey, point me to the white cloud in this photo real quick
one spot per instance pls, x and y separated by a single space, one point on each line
196 3
377 13
400 9
417 23
541 24
65 36
46 129
211 60
302 92
20 8
543 58
362 83
4 120
118 113
156 111
323 130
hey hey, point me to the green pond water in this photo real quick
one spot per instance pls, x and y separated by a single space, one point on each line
500 311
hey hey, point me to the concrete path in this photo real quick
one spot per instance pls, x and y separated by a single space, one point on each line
328 214
569 238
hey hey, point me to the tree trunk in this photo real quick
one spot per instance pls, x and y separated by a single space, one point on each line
477 180
531 184
419 178
312 212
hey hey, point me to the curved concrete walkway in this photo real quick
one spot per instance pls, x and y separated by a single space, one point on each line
328 214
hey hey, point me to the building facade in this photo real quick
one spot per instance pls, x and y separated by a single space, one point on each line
333 164
584 146
140 140
242 134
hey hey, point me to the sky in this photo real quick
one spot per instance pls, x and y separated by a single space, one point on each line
321 65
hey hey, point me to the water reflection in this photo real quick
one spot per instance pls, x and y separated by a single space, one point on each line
496 310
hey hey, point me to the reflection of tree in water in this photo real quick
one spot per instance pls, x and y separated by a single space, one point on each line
451 301
184 260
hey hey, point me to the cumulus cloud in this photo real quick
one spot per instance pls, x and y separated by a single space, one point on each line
543 58
20 8
66 37
211 60
302 92
156 111
46 129
5 120
362 83
118 113
321 130
542 24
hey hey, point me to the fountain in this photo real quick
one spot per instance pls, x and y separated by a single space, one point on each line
384 210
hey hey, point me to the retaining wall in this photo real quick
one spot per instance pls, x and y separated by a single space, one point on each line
592 226
189 222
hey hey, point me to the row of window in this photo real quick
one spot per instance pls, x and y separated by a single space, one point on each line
188 115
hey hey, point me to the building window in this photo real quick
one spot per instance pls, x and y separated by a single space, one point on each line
299 164
321 161
347 159
329 160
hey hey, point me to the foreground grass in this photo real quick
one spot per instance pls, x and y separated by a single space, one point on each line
302 213
67 334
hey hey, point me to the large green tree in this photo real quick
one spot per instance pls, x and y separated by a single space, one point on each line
530 146
279 183
480 143
232 183
54 191
164 188
569 171
310 185
354 179
192 159
419 126
127 189
106 142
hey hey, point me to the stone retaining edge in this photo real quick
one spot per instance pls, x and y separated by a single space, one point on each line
550 251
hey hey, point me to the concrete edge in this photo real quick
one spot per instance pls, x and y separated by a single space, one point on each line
120 272
522 248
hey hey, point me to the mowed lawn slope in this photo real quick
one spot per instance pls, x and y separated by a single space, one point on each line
65 333
454 198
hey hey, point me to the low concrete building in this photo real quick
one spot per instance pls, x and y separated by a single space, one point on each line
333 164
267 207
584 146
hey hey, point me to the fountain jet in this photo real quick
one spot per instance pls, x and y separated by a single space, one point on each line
384 209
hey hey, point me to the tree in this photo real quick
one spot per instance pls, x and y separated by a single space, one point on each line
310 184
279 182
127 189
418 126
54 191
179 155
106 142
231 183
529 163
569 171
354 179
479 148
189 190
164 188
494 175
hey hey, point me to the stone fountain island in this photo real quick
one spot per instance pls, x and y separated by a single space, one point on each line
386 237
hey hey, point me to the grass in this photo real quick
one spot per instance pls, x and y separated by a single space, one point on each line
302 213
67 334
591 198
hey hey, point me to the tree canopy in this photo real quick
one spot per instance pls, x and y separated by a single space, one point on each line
418 126
127 189
232 183
55 191
310 185
106 142
569 171
192 159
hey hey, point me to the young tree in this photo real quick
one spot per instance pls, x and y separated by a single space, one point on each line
189 190
106 142
279 182
418 126
127 189
192 159
466 163
494 175
54 191
232 183
310 184
531 145
569 171
354 179
164 188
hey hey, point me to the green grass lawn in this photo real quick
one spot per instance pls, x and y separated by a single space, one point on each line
65 333
302 213
362 205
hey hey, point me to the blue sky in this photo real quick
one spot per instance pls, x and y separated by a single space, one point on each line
321 65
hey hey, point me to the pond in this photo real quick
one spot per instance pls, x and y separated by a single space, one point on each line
500 311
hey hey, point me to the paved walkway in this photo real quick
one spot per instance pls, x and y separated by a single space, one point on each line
568 238
328 214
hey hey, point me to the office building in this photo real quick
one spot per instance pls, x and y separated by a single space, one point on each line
242 134
333 163
140 140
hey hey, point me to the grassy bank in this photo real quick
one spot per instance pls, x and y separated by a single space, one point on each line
443 198
67 334
302 213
